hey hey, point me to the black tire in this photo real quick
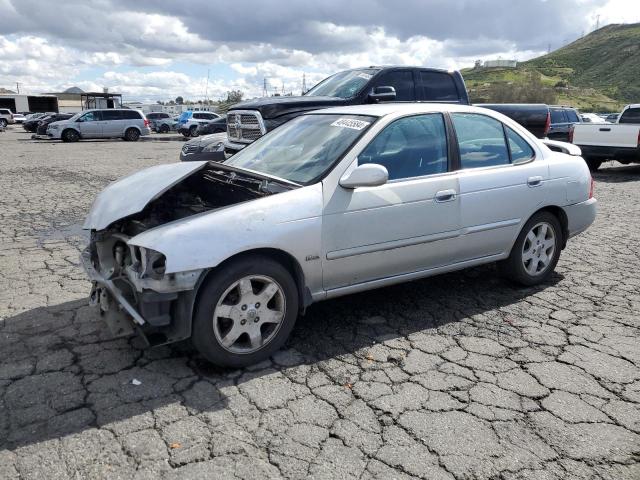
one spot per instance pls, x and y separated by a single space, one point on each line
193 131
513 267
593 163
4 122
70 135
164 128
212 291
131 135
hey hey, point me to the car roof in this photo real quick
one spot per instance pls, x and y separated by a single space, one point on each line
388 108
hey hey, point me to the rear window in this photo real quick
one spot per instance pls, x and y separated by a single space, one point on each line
4 111
436 86
631 115
130 115
558 116
572 116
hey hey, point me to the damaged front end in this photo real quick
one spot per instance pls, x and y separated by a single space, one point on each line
129 281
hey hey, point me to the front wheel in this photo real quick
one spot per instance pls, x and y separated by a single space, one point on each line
193 131
3 122
535 254
164 129
70 135
245 312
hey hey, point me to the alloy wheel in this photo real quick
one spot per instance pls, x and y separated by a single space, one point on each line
249 314
539 248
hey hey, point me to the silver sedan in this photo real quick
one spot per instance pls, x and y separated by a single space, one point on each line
333 202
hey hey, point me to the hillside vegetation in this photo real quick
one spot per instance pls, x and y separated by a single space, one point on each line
599 72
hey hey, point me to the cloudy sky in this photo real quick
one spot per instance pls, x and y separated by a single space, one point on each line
158 49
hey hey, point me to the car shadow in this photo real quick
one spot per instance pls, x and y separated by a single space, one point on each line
61 373
614 172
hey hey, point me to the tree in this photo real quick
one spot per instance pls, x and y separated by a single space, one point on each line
179 100
233 97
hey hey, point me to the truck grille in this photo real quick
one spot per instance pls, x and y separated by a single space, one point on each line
244 126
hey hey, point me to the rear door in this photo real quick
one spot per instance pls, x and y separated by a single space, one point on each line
436 87
112 123
501 184
559 128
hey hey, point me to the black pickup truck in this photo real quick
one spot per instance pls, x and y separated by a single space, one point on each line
248 121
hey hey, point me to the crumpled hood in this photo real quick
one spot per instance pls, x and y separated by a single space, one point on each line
131 194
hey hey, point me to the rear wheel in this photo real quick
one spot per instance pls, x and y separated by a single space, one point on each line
193 131
132 135
70 135
593 163
3 122
164 128
535 254
245 312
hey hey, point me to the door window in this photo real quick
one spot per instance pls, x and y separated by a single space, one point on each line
91 117
436 86
402 81
572 116
130 115
410 147
481 140
521 151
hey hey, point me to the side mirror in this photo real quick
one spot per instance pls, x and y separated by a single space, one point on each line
367 175
383 94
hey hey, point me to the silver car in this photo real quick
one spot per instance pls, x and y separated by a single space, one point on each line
124 123
333 202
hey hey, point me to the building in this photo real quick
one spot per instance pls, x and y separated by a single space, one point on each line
170 109
500 63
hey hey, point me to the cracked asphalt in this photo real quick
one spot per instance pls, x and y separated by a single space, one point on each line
458 376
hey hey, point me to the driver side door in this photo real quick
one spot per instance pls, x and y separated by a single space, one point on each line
408 225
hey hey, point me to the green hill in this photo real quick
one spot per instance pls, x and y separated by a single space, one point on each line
600 71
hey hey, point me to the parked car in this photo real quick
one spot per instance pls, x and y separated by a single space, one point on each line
125 123
188 122
248 121
204 148
6 117
333 202
605 141
164 125
562 119
45 121
591 118
214 126
19 118
535 117
32 121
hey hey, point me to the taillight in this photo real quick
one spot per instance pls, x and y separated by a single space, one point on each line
638 138
571 128
591 188
146 122
547 125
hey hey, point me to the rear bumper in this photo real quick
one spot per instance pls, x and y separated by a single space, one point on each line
580 216
631 154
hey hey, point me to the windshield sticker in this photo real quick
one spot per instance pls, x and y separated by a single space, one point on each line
366 76
350 123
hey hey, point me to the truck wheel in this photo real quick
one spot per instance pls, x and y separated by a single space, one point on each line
70 135
193 131
132 135
593 163
535 254
245 312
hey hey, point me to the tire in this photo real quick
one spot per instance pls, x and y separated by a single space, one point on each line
193 131
535 254
164 128
4 122
593 163
222 294
132 135
70 135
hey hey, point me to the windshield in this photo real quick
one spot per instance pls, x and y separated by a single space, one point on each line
344 84
303 149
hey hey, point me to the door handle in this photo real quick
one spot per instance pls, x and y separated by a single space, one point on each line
446 196
605 129
534 181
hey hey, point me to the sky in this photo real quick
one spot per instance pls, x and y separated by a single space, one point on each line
151 50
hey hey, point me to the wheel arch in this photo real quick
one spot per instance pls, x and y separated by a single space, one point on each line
560 214
284 258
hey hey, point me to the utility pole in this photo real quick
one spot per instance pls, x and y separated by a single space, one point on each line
17 87
549 48
597 21
206 89
265 88
304 83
